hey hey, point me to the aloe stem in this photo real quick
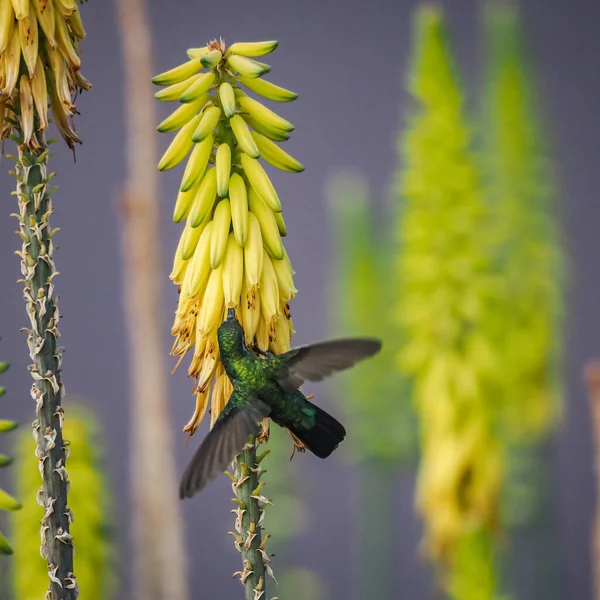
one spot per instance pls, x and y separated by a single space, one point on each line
248 523
38 270
160 561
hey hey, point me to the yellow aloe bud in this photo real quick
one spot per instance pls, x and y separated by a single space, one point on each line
190 236
251 49
243 136
211 59
239 208
182 115
183 204
199 88
180 147
197 52
253 253
179 73
220 234
268 90
246 66
212 302
260 181
268 225
280 224
263 114
199 269
274 155
197 163
174 92
205 198
208 122
223 168
227 98
179 264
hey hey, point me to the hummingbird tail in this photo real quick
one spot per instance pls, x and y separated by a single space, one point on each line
324 437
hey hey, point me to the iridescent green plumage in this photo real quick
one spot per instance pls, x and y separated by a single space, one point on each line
268 387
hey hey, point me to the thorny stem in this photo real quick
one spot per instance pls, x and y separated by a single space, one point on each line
249 515
38 270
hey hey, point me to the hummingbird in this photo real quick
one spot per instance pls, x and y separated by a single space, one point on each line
267 386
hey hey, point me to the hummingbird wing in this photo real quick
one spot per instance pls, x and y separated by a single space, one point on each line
225 440
317 361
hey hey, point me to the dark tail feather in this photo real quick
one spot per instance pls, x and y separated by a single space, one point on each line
324 437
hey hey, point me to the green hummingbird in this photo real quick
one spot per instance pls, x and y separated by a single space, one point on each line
268 387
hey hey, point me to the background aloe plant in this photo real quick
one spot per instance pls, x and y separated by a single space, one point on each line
7 502
449 289
90 498
522 191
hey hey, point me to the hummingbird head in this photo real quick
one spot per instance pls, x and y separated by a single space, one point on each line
230 334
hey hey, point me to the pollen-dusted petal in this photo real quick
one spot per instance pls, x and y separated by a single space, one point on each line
209 364
199 412
215 400
262 334
281 339
250 311
269 292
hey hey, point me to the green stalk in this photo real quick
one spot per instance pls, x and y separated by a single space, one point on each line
38 270
249 514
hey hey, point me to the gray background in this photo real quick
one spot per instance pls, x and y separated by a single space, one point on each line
347 60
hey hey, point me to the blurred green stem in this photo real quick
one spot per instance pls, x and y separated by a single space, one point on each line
536 543
376 499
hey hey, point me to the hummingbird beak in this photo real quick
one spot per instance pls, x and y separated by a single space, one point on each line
231 314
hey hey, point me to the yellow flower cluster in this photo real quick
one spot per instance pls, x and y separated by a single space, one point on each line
45 34
230 254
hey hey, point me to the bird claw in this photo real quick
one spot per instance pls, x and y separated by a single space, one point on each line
298 445
263 436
